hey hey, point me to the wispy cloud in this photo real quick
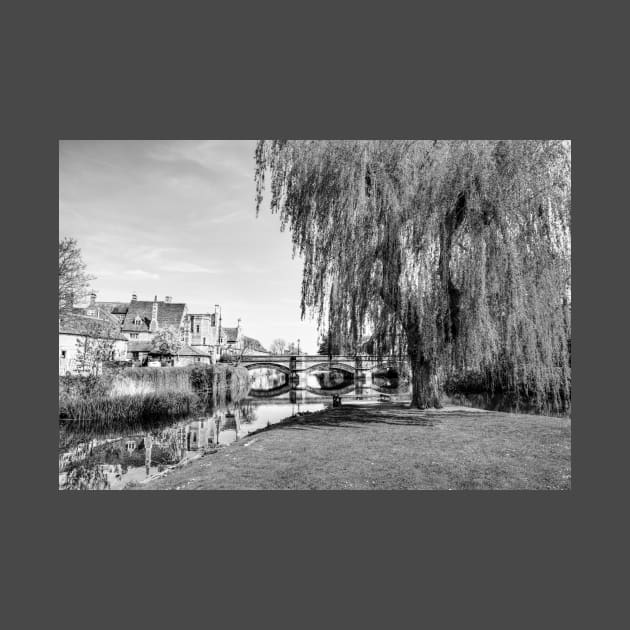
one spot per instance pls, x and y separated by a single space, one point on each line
140 273
186 267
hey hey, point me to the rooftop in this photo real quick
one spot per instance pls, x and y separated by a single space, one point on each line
169 315
77 324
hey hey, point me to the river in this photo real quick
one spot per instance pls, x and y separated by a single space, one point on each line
113 461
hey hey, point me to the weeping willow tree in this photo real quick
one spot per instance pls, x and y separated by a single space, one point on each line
456 253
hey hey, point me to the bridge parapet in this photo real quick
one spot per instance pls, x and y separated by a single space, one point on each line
309 362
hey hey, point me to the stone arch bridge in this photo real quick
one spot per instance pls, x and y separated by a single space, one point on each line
297 367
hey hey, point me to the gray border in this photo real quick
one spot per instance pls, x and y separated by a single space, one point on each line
153 71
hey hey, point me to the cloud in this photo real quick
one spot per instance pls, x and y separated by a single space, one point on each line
185 267
230 217
140 273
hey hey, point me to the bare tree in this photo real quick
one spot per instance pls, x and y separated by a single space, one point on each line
96 344
278 346
73 280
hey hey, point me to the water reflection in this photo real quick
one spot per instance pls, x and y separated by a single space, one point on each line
329 379
113 460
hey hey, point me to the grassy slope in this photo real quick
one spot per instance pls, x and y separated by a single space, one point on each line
391 447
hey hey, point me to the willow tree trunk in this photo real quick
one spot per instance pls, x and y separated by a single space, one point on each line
425 390
424 381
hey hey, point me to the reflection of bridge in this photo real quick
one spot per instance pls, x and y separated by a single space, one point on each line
297 367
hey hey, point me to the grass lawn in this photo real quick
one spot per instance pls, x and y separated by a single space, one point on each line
390 447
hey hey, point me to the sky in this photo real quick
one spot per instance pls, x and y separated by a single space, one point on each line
178 218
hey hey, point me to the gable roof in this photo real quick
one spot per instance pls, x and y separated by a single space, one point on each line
116 308
140 346
84 326
229 334
169 315
96 312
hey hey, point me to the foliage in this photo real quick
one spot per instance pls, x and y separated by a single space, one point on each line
249 343
167 341
96 345
87 475
73 279
454 252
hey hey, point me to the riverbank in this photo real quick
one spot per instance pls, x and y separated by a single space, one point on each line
130 397
389 447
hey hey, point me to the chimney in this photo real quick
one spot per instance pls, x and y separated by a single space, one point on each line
92 299
153 326
134 297
168 299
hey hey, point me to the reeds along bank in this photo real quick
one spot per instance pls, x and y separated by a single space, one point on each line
143 394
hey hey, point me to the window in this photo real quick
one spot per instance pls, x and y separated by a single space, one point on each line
197 359
197 327
137 320
133 335
135 355
63 354
204 341
131 446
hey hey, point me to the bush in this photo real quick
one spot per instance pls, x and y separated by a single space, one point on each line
495 391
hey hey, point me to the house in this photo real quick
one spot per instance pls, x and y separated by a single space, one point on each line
145 318
203 334
138 352
85 342
232 338
141 352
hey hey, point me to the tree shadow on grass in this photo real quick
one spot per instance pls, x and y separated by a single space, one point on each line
354 416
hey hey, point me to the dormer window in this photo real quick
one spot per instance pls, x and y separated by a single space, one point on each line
137 320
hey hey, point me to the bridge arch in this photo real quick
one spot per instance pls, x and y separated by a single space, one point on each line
268 365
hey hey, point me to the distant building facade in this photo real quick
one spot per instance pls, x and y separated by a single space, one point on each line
88 341
203 335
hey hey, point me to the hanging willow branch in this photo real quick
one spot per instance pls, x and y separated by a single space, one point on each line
456 252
